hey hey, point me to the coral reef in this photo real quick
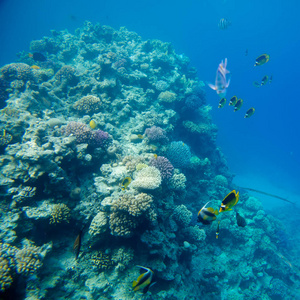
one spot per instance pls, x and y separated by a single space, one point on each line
62 177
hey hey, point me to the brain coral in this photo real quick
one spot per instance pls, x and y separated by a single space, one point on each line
148 178
88 104
179 154
163 165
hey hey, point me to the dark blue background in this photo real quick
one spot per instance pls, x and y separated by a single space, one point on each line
262 151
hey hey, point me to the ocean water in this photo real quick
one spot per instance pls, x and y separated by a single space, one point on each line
262 152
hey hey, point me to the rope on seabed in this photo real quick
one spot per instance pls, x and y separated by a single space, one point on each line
271 195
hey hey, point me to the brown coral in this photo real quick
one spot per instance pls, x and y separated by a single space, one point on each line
122 224
28 260
60 213
88 104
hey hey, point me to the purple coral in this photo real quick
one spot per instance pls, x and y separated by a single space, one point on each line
163 165
156 134
80 131
100 138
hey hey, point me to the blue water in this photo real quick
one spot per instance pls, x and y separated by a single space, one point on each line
262 151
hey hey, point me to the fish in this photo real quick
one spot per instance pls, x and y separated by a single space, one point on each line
221 83
238 105
264 80
224 23
77 244
262 59
271 78
93 124
37 56
140 136
125 183
144 281
256 84
233 101
35 67
246 52
222 102
207 215
240 220
249 112
229 201
218 230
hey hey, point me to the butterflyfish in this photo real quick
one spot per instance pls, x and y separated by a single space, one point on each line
218 230
207 215
224 24
233 101
144 281
262 59
249 112
221 82
264 80
240 220
125 183
93 124
222 103
256 84
238 105
229 201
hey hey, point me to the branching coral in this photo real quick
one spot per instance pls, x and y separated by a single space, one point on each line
28 260
60 213
122 224
167 96
177 182
17 71
148 178
156 134
182 215
163 165
88 104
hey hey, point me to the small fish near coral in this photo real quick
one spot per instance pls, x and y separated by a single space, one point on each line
233 101
271 78
125 183
229 201
262 59
218 230
224 23
222 102
249 112
240 220
37 56
78 240
221 82
93 124
144 281
238 105
207 215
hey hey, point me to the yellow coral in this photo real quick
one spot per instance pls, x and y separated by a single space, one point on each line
28 260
